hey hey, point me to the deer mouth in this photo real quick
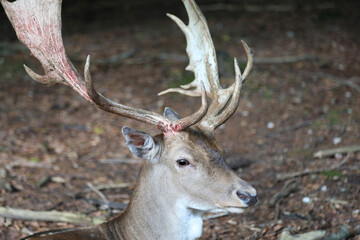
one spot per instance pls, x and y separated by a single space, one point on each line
235 209
228 210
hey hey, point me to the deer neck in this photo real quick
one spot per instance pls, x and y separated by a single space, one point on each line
158 211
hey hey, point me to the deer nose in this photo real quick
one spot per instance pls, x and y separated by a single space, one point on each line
247 198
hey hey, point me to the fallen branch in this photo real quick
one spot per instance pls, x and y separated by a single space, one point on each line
48 216
313 235
26 163
289 187
333 151
285 176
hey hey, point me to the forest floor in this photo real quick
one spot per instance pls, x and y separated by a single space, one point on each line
53 143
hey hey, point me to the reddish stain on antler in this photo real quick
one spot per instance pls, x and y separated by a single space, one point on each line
169 129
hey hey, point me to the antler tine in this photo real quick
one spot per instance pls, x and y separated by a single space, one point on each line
202 56
201 52
193 119
224 108
38 26
234 102
250 61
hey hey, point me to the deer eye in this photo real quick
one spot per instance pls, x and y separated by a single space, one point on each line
183 162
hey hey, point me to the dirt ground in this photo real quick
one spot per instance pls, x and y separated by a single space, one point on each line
53 143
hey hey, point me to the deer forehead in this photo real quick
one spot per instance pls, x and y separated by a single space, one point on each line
195 144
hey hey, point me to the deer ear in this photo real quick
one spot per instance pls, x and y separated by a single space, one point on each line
141 144
171 114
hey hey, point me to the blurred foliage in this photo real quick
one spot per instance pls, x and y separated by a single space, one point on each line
332 173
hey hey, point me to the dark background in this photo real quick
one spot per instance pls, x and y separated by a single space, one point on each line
83 15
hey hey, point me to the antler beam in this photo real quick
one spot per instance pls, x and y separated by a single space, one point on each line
38 25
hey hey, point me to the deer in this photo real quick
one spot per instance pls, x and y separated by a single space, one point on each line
185 173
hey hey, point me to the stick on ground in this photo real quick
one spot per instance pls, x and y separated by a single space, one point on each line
48 216
285 176
333 151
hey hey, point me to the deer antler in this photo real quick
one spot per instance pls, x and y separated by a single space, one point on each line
38 25
202 56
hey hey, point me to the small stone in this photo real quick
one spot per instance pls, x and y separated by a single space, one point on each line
245 113
249 104
270 125
336 141
290 34
232 222
309 131
306 200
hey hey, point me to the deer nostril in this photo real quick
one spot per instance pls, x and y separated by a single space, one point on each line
243 196
247 198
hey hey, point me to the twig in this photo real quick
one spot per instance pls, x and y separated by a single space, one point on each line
331 152
112 205
27 163
106 201
285 176
348 82
128 161
292 128
108 186
251 228
289 187
49 216
277 210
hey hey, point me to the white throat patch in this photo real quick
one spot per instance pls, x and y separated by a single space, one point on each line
191 220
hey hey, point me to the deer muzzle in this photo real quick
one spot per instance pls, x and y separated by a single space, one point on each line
247 198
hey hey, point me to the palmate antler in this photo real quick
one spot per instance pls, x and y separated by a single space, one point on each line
38 25
202 56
